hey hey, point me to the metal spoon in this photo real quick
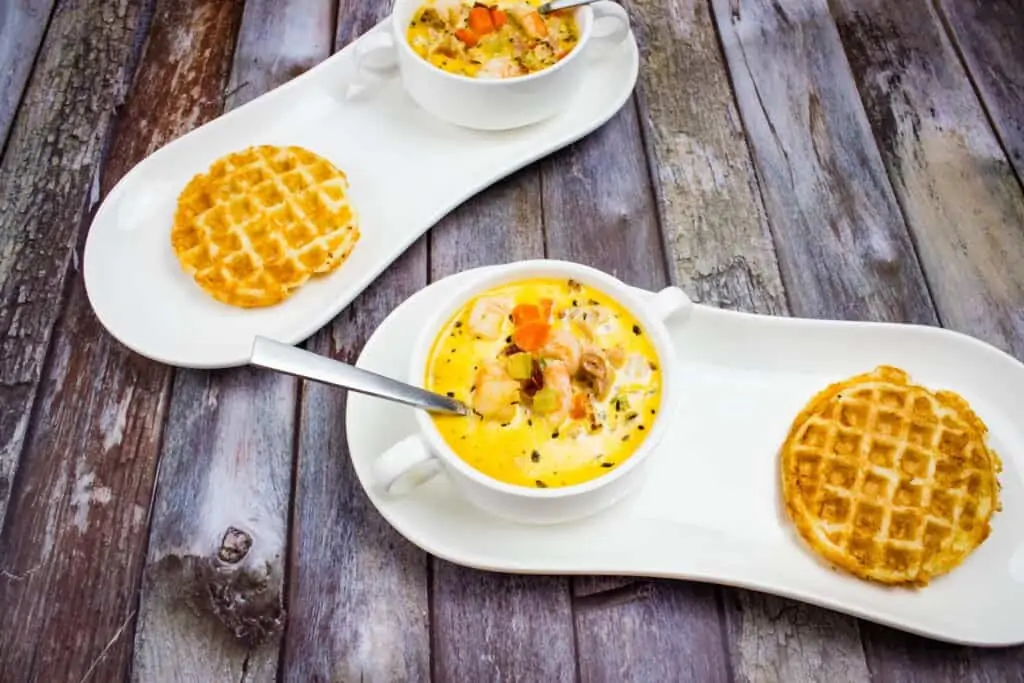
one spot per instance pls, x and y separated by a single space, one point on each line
555 5
291 360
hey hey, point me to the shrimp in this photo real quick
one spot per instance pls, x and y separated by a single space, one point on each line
558 379
496 394
530 21
562 345
488 316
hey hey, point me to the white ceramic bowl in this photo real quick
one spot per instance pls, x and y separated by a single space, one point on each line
490 104
420 456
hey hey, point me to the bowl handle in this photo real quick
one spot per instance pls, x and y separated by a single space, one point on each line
405 466
618 18
670 302
375 58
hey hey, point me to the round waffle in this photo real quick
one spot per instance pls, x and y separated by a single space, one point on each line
888 480
260 222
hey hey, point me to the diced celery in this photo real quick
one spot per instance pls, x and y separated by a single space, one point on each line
520 366
545 401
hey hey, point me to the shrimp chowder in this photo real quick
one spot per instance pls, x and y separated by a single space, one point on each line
499 39
563 382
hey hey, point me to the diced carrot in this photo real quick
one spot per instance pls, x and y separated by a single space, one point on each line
531 336
466 36
545 309
534 25
498 18
524 313
480 21
578 411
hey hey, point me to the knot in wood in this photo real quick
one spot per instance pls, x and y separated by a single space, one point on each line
234 545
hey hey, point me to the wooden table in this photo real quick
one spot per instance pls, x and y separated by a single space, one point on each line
855 159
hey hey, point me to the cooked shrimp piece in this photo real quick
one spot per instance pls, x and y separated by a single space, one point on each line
530 20
496 394
488 316
562 345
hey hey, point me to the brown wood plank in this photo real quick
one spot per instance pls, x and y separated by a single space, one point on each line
599 209
843 248
226 463
22 25
488 626
988 35
79 516
966 210
55 143
348 568
958 193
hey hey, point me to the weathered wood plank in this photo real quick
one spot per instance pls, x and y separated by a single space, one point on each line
604 215
488 626
348 568
22 24
721 252
225 475
54 146
843 248
966 209
79 515
959 195
988 34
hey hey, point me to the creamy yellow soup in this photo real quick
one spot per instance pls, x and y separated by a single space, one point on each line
496 39
564 383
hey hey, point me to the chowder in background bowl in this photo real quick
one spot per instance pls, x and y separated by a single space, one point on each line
563 394
511 101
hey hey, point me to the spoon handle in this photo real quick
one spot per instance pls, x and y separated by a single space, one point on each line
291 360
555 5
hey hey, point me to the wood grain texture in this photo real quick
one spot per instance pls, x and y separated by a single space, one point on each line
843 248
79 515
214 578
722 253
488 626
22 24
54 146
958 193
965 207
988 35
359 592
604 215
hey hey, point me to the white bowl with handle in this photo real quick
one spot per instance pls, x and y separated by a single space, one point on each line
490 103
422 455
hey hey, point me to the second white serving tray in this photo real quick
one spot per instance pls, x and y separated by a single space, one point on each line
406 170
710 509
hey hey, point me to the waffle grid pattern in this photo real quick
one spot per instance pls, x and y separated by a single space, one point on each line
888 480
261 222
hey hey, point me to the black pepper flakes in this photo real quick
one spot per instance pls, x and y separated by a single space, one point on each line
450 394
626 437
641 427
458 323
540 484
554 434
535 456
636 330
508 339
529 422
606 464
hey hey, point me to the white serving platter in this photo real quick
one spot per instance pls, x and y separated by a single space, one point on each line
710 508
406 170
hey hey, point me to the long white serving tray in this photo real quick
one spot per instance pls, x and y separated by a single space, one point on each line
406 170
710 509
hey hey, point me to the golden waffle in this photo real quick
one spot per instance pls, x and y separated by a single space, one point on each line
888 480
260 222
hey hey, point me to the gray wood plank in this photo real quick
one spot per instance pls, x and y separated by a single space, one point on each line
599 209
52 152
987 33
348 568
843 248
489 626
79 516
958 193
22 25
226 463
966 210
722 252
